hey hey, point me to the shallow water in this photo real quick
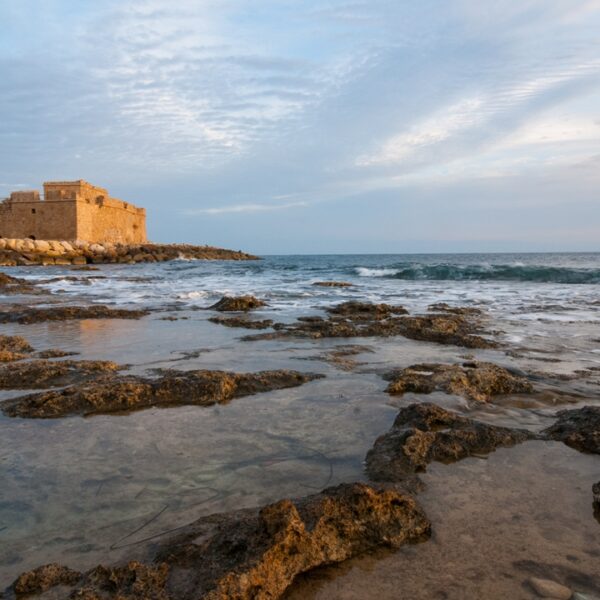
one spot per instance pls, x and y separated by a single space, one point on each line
81 491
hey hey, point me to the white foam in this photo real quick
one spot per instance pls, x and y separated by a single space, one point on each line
366 272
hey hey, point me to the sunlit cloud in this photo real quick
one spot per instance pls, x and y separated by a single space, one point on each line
243 208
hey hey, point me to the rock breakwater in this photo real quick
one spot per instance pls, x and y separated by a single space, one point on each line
25 252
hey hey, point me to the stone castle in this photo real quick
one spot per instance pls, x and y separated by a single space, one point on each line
71 210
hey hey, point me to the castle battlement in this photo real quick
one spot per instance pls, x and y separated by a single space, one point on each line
71 210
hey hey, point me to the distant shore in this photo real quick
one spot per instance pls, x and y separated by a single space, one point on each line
26 252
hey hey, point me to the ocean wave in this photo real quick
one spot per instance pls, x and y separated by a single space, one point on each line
485 272
366 272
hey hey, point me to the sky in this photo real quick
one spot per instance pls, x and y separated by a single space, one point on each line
326 126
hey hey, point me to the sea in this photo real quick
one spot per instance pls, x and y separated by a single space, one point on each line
100 489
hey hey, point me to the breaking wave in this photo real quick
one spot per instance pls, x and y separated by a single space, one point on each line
484 272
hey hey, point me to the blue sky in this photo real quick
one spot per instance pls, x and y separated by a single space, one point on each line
282 126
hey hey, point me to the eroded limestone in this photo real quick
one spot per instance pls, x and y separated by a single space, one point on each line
578 428
129 393
477 381
41 374
65 313
237 304
13 347
256 554
363 319
423 433
243 322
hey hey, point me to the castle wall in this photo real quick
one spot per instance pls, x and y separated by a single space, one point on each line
110 220
37 219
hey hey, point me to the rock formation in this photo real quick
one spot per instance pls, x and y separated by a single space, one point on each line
363 319
23 252
128 393
477 381
423 433
578 428
250 554
237 304
28 315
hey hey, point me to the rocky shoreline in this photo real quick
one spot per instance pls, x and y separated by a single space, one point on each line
254 554
27 252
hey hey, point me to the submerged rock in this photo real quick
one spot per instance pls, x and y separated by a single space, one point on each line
339 284
237 304
14 285
40 374
242 322
578 428
365 311
423 433
55 353
43 578
474 380
443 307
66 313
363 319
128 393
13 347
256 554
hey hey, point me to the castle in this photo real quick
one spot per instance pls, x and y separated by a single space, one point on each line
71 210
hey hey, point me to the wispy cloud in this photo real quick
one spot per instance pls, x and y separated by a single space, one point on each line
243 208
345 104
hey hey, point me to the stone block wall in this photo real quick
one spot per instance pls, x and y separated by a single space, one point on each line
38 220
72 210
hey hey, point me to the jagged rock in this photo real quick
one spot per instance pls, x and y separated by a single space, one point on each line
40 374
14 285
256 554
340 284
43 578
242 322
365 311
13 347
54 353
363 319
578 428
474 380
65 313
128 393
456 310
237 304
445 329
423 433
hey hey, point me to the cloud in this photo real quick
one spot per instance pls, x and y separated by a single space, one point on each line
244 208
337 102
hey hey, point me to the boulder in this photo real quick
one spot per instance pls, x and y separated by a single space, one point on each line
41 246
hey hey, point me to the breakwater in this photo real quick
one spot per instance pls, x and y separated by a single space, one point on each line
25 252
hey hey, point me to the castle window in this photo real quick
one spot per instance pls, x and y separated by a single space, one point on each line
33 211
